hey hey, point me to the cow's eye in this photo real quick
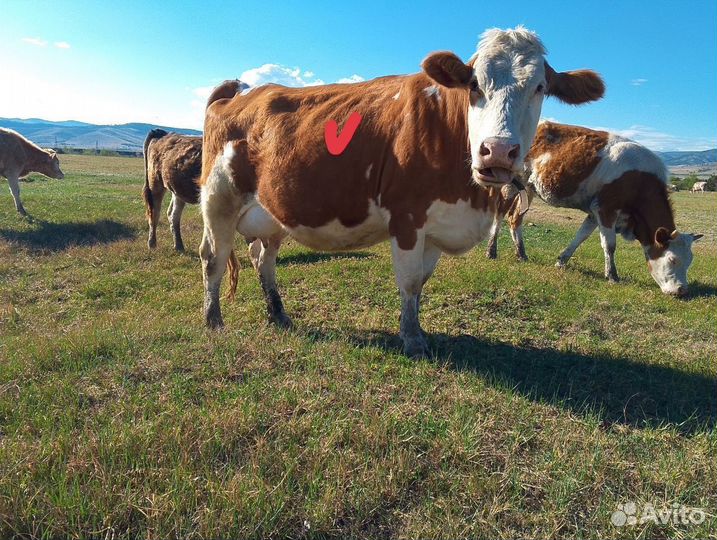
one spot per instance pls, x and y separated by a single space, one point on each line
474 85
539 89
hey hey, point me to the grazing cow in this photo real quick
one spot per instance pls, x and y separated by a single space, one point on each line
699 187
171 162
19 157
622 187
415 171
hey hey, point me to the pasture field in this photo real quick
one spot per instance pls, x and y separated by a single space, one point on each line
552 396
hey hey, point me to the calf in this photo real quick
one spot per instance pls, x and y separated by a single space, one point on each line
622 187
699 187
415 171
171 162
19 157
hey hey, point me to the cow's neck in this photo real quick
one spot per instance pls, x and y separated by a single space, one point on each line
654 212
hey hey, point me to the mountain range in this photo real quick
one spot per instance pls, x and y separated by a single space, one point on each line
130 137
73 134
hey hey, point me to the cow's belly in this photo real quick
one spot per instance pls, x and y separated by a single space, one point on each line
456 227
334 236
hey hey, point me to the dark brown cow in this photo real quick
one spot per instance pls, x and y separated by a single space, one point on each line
172 162
415 172
19 157
622 187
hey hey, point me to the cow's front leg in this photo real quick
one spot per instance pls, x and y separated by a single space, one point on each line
608 241
263 257
175 221
408 268
492 250
13 182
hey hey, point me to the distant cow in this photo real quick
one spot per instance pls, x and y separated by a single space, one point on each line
171 162
19 157
622 187
413 170
700 187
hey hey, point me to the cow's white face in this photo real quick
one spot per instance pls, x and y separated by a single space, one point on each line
507 80
669 270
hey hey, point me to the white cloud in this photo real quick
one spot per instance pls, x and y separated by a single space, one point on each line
37 42
352 79
275 73
62 45
660 141
638 82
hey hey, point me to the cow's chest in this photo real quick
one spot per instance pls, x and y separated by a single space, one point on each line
457 227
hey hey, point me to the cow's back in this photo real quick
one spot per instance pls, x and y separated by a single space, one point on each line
176 161
570 165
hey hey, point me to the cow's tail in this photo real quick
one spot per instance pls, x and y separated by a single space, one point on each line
233 268
147 192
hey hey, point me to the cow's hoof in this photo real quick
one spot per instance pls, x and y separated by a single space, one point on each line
416 347
281 320
560 264
524 258
491 255
179 247
152 243
613 279
213 319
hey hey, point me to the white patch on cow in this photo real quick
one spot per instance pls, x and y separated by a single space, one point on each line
456 228
335 236
368 171
255 221
433 91
398 94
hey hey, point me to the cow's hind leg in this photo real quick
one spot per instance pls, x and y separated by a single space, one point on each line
14 184
174 214
585 230
220 209
608 240
264 260
408 267
154 210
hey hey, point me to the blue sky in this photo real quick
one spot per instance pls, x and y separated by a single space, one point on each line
115 62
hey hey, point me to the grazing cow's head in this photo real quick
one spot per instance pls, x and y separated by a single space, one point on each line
669 259
507 79
52 166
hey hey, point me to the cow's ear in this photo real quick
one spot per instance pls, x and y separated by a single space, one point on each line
662 237
574 87
447 69
696 237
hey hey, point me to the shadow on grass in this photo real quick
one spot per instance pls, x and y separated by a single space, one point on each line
46 236
701 290
618 390
313 257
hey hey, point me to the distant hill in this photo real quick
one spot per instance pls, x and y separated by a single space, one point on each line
703 157
72 134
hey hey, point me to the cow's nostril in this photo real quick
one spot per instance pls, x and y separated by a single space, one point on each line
484 150
513 154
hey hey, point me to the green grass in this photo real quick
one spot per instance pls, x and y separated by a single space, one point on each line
552 397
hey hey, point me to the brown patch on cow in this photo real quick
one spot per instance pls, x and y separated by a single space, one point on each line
417 147
574 154
174 162
574 87
644 198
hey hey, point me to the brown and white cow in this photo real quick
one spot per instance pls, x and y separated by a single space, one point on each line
171 162
19 157
622 187
699 187
415 172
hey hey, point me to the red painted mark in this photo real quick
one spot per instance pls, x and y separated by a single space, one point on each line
336 143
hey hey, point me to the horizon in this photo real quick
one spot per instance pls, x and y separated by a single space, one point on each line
73 62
